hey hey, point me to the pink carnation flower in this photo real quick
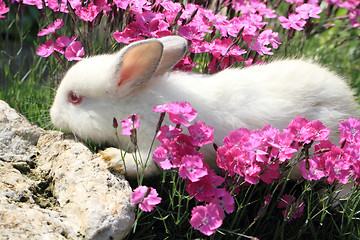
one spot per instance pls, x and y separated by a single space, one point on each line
293 21
193 168
74 51
88 13
205 188
146 197
179 112
200 134
308 10
3 9
51 28
206 218
312 169
46 49
350 130
224 200
168 134
130 124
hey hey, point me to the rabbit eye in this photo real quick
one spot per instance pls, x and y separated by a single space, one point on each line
74 97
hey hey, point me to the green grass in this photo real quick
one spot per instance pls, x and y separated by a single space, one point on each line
28 84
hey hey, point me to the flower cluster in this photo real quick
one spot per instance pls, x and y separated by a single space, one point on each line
248 157
336 163
180 151
245 30
258 154
69 47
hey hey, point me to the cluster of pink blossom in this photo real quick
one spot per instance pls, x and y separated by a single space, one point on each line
70 48
226 38
246 156
179 150
258 154
336 163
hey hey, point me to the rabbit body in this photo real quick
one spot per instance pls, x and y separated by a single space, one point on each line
252 97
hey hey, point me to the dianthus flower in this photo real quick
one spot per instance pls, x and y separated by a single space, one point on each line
3 9
88 13
200 134
146 197
179 112
206 218
205 188
193 168
130 124
51 28
74 51
293 21
349 130
46 49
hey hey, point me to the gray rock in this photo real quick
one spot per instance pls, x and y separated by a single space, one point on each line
53 187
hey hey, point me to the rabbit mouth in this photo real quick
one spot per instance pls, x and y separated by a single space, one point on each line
58 120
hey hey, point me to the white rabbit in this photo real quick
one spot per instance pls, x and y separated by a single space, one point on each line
136 78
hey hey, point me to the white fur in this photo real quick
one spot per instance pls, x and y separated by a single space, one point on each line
273 94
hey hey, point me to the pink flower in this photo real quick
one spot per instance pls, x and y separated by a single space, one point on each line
292 210
294 1
103 5
270 172
311 169
164 157
282 147
46 49
38 3
192 167
201 134
224 200
308 10
130 34
314 131
3 9
74 51
349 130
179 112
146 197
54 5
185 64
168 134
131 123
75 4
191 32
205 188
51 28
63 42
294 21
206 219
354 18
88 13
337 165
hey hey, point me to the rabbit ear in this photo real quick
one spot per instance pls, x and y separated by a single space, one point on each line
174 49
134 65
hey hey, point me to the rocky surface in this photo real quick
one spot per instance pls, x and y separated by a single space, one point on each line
52 187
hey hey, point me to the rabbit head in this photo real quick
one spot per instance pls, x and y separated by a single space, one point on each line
99 88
